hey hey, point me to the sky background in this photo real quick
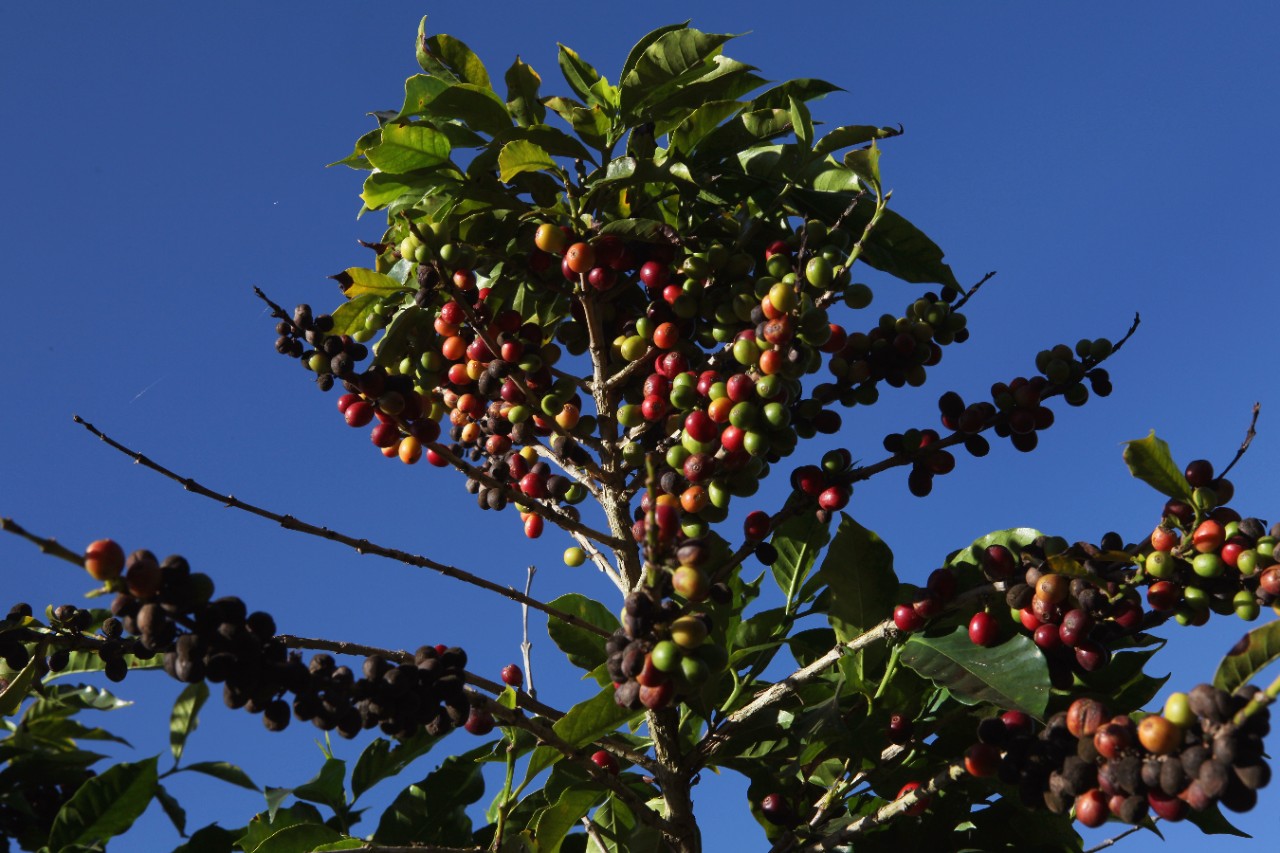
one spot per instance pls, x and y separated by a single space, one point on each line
162 159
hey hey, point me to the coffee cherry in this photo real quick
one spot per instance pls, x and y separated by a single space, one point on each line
982 760
906 618
479 722
1158 735
512 676
1091 808
920 805
605 761
777 810
103 559
983 629
900 728
1085 716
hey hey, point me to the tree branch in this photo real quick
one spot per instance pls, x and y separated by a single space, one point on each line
362 546
1248 440
48 546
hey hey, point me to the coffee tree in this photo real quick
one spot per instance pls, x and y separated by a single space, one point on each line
615 313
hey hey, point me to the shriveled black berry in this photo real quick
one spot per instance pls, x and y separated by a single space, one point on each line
261 625
276 716
116 670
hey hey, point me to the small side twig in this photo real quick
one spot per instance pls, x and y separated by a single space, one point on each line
968 294
48 546
1248 440
525 645
1110 841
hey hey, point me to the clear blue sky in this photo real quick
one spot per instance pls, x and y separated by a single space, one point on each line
161 159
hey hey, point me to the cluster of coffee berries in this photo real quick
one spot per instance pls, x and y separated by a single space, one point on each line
163 608
927 459
827 484
1204 558
306 338
662 652
898 350
1197 753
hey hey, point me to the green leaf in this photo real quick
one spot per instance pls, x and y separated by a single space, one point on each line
454 55
590 123
1150 461
521 155
585 649
858 569
350 316
701 121
675 57
58 728
585 81
725 80
381 760
1211 821
865 162
1012 675
802 88
633 55
582 724
406 147
225 771
643 230
211 839
434 810
620 831
798 540
106 805
301 838
382 188
476 107
173 809
326 787
265 825
522 94
356 281
553 821
850 135
75 697
1256 650
801 121
13 694
743 132
184 718
428 61
344 844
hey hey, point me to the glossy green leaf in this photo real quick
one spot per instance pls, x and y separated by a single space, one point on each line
522 94
638 50
802 88
350 316
356 281
851 135
18 687
301 838
225 771
326 787
185 717
674 57
478 108
553 821
428 61
173 810
69 698
858 568
381 759
865 162
699 122
454 55
620 831
105 805
584 723
406 147
798 540
344 844
725 80
585 649
1150 461
433 811
642 230
1256 650
382 188
521 155
57 728
590 123
1211 821
265 825
743 132
585 81
1011 675
801 121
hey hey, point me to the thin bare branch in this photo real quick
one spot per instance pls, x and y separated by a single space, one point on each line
887 812
48 546
1110 841
1248 440
525 645
362 546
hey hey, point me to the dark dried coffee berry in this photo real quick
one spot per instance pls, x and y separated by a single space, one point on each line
116 670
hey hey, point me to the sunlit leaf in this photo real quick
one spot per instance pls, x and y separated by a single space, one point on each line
406 147
105 805
1150 461
584 648
522 94
185 717
522 155
1256 650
